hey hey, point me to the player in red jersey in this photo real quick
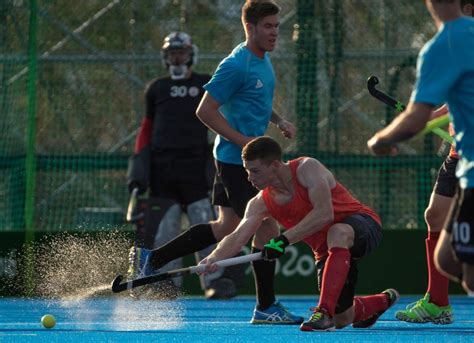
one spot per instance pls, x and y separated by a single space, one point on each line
305 198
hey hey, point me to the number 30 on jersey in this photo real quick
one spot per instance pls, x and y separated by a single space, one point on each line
182 91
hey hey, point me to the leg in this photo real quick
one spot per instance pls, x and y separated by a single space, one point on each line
468 277
198 237
340 238
268 310
459 232
445 260
349 241
435 216
445 255
434 306
332 275
264 271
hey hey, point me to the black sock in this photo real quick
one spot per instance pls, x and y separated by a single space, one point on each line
198 237
264 273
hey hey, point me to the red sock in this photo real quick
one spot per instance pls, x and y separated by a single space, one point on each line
364 307
437 284
334 277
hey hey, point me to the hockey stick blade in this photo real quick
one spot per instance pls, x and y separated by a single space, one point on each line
119 286
386 99
433 126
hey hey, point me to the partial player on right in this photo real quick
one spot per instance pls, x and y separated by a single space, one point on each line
434 306
445 74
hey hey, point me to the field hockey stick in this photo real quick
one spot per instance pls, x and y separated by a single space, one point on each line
119 286
433 126
132 205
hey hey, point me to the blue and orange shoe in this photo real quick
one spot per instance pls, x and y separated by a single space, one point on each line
276 314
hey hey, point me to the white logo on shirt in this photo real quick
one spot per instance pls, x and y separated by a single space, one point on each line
193 91
182 91
259 84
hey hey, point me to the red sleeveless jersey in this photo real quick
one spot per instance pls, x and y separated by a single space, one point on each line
291 213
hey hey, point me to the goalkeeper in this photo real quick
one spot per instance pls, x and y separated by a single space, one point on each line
172 159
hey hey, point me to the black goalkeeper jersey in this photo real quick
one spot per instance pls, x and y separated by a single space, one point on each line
171 105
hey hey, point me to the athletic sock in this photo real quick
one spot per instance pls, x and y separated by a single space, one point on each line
334 276
437 284
198 237
364 307
264 274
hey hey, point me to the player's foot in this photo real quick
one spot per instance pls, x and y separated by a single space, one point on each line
139 267
320 320
423 311
275 314
138 263
392 296
221 288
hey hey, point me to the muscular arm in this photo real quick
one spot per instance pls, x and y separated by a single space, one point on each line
319 182
231 244
208 113
406 125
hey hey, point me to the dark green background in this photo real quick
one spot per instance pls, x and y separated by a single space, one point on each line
399 262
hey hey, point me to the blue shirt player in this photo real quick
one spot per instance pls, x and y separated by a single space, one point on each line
445 73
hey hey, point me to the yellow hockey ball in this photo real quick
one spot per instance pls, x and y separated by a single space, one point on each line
48 321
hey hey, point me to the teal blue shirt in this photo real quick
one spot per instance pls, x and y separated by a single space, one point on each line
243 85
445 74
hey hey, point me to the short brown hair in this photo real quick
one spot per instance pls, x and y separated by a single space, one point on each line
254 10
465 2
262 148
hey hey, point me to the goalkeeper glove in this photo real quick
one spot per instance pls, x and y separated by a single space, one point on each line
275 248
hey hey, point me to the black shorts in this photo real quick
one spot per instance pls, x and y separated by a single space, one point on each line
232 188
368 235
461 225
447 181
180 175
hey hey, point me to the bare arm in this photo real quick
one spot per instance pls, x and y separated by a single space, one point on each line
208 113
319 182
406 125
287 128
231 244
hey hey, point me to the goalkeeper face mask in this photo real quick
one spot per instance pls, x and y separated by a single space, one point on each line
178 54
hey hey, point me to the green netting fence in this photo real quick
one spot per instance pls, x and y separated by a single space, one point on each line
72 76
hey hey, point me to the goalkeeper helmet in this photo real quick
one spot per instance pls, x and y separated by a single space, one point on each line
178 54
